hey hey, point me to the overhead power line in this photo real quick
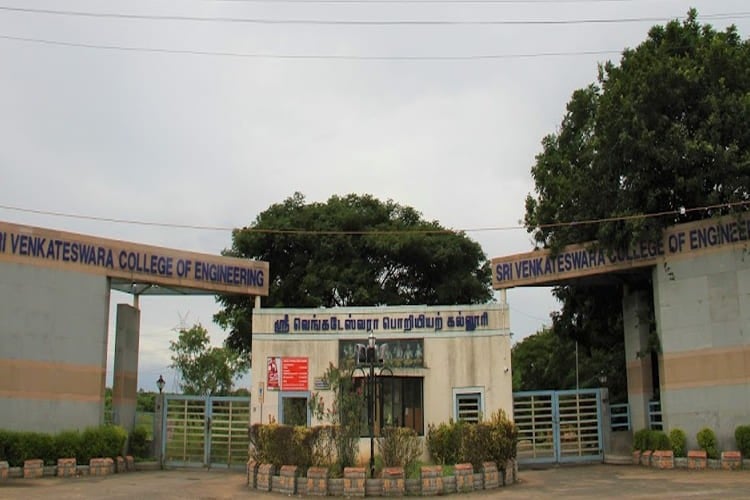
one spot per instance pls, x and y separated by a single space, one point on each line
376 232
334 57
456 2
362 22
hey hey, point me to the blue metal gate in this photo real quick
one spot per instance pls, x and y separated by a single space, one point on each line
558 426
201 431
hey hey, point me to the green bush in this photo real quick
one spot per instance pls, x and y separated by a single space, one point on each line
659 441
742 437
139 445
456 442
22 446
286 445
16 447
105 441
707 441
399 447
444 441
678 440
68 444
477 440
642 440
504 438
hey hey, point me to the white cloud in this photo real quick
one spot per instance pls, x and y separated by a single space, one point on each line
216 140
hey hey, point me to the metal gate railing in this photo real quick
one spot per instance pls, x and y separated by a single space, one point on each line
202 431
558 426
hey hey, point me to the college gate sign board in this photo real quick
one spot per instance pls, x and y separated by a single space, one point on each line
541 267
132 262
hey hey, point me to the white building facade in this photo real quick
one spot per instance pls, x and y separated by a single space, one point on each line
444 362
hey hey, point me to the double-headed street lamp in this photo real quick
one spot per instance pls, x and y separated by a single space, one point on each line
372 357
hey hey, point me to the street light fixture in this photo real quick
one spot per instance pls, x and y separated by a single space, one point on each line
160 384
371 356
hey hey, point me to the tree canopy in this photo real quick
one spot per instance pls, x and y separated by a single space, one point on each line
547 361
658 139
663 130
353 250
204 370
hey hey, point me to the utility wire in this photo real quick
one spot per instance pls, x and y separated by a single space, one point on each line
376 232
455 2
361 22
334 57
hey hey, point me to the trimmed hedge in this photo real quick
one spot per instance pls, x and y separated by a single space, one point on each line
707 441
139 445
742 437
491 441
651 440
286 445
678 438
106 441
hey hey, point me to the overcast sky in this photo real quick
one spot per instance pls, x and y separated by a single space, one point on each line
213 140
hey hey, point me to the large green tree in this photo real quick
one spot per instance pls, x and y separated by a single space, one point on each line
662 132
547 361
204 369
353 250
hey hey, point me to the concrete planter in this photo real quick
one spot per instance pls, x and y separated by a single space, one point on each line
373 487
413 487
697 459
449 485
336 487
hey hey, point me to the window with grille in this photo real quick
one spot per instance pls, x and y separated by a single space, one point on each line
468 405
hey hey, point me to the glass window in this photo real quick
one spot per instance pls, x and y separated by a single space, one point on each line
294 409
398 402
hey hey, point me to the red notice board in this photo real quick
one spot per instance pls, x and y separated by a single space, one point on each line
294 373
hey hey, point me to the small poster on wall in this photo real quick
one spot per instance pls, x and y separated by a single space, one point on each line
272 374
287 374
294 373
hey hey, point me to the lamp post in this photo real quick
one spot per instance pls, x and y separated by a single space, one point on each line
371 356
159 411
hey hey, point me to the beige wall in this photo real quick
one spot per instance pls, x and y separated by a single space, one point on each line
453 359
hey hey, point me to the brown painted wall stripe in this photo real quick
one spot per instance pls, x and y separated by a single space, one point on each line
706 367
639 375
31 379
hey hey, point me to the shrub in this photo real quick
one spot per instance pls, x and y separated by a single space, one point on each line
286 445
477 440
707 441
105 441
504 438
742 437
15 447
399 447
642 440
678 440
444 441
659 441
68 444
139 446
324 446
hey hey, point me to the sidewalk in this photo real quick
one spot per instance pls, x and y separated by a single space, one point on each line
584 481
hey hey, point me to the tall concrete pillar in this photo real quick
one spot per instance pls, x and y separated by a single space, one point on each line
125 386
53 348
635 317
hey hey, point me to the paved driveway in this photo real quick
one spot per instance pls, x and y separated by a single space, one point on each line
590 481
